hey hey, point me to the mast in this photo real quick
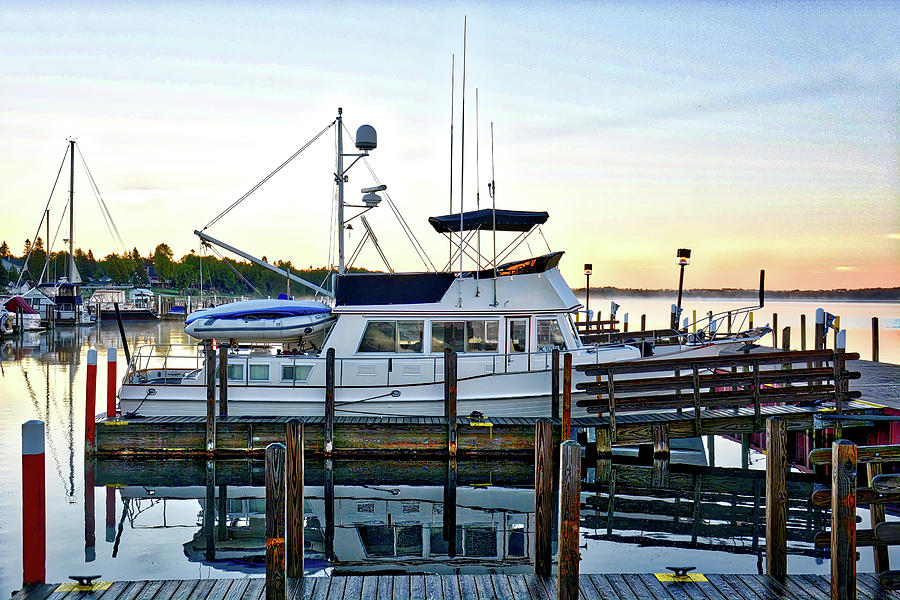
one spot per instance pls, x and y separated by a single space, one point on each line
492 189
340 183
452 97
71 208
46 246
462 161
477 192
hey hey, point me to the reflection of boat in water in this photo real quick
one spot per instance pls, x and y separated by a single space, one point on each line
140 307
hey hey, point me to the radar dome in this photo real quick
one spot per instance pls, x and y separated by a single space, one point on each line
366 138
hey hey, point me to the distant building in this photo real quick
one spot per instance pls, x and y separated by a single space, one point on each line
151 274
13 264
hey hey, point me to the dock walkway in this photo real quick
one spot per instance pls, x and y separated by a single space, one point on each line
470 587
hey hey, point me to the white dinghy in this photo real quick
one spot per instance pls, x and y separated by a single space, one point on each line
280 320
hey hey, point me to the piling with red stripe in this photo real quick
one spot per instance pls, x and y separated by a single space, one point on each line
90 402
34 512
111 360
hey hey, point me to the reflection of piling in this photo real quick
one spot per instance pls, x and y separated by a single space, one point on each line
329 509
543 496
34 513
209 511
275 582
110 513
449 516
294 472
569 516
90 527
90 403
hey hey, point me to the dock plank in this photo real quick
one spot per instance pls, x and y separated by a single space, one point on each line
467 588
336 589
401 587
417 587
433 588
353 589
451 587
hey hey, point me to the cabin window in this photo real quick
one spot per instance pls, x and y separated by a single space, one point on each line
448 334
236 372
295 372
380 336
410 335
259 372
517 331
482 336
549 335
392 336
481 541
409 540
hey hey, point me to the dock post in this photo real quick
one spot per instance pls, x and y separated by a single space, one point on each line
776 497
843 520
786 339
275 584
820 329
450 387
90 523
729 322
750 320
223 380
112 360
329 509
210 397
449 512
567 398
625 323
882 561
90 404
604 444
34 513
745 450
329 401
569 516
803 332
775 330
694 321
644 322
554 386
660 440
543 497
875 339
293 433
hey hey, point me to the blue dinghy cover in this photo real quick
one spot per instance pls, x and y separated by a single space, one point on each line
260 309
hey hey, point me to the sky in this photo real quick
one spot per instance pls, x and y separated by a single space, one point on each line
759 135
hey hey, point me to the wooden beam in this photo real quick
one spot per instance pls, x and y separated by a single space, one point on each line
776 497
843 520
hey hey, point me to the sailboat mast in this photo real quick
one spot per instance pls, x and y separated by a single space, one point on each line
462 158
46 245
340 183
71 208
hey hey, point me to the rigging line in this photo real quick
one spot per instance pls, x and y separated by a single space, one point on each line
417 246
233 268
100 203
546 243
103 207
267 177
46 207
55 236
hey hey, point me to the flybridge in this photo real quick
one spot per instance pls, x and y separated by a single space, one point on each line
489 220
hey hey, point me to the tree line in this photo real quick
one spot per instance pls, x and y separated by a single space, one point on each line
223 276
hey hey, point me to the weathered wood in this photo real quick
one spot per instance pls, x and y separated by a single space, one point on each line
889 579
695 397
210 396
864 538
449 515
209 511
329 401
275 582
567 398
776 497
554 385
803 332
885 484
604 444
875 344
660 439
643 322
611 395
888 532
880 553
865 454
843 520
569 518
293 433
869 496
328 477
786 339
543 497
450 402
775 330
223 380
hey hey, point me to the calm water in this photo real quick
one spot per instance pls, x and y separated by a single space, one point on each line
149 522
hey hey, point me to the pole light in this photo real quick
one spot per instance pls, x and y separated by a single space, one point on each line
588 269
684 259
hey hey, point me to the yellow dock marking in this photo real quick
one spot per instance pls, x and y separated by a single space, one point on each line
482 423
111 423
683 578
73 586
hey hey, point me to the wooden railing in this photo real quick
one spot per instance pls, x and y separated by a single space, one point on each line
812 376
843 457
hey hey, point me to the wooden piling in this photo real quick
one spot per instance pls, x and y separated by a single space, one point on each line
644 322
554 386
449 513
803 332
210 397
569 516
223 380
774 330
875 339
604 444
90 404
329 509
567 398
275 582
776 497
450 402
34 512
112 360
293 434
882 561
843 520
329 401
660 440
543 497
786 339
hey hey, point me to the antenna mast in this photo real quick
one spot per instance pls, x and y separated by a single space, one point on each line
492 190
477 192
340 183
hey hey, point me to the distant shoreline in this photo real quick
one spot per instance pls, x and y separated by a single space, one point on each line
857 295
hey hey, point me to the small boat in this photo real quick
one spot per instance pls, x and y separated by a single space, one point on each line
30 318
280 320
6 322
138 309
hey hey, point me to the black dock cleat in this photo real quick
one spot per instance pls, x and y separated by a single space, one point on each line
84 580
681 571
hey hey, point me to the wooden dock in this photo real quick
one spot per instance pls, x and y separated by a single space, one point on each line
470 587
